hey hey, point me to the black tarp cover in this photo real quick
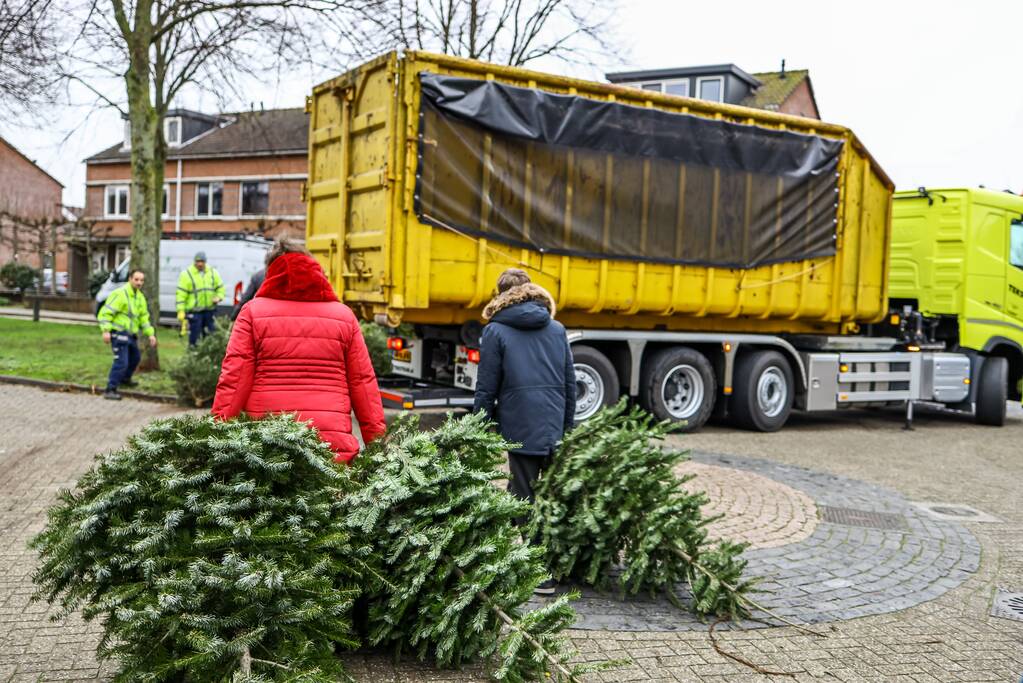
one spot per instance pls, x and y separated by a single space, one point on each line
564 174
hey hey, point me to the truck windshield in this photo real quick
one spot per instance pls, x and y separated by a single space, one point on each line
1016 244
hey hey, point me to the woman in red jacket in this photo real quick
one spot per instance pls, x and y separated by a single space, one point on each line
296 349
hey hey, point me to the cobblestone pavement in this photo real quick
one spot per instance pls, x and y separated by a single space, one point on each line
757 510
47 440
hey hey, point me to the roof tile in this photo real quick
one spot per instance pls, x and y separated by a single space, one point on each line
272 131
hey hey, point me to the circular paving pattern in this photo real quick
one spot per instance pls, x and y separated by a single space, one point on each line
757 510
869 552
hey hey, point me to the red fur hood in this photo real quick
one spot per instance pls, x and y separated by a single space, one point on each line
296 277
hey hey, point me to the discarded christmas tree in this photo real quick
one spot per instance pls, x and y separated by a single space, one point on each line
611 512
457 574
209 550
195 376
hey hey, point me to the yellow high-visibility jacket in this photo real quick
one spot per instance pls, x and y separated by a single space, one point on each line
125 310
196 290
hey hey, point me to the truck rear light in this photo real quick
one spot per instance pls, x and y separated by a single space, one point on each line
472 355
237 293
395 343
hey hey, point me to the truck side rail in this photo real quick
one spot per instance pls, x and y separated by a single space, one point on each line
730 342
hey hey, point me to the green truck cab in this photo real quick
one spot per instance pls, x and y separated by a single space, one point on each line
957 265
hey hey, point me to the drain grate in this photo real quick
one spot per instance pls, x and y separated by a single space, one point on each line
1008 605
863 518
955 512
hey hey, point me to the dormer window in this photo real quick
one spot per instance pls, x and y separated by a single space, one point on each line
711 88
172 131
673 87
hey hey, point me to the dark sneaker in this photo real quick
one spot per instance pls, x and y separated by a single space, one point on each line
111 395
130 383
546 587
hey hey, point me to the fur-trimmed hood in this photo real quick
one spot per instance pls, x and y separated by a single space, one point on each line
518 295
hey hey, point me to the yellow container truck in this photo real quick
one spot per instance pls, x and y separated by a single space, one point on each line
705 257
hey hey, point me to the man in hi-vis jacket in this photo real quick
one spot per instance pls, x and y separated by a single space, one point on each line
122 317
200 289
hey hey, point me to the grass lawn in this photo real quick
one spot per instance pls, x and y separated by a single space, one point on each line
76 353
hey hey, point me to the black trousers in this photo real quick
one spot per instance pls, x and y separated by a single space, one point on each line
525 471
200 323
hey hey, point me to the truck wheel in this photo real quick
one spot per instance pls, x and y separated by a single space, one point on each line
763 391
993 391
678 384
596 382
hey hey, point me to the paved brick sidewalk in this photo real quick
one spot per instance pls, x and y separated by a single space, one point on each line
49 439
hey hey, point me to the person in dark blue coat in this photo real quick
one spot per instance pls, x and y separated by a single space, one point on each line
526 380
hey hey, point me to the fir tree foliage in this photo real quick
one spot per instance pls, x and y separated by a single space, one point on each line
611 513
210 551
196 374
457 573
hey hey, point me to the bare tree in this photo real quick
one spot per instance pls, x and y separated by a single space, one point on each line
28 34
156 49
42 237
513 32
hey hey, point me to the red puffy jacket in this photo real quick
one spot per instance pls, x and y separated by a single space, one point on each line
296 348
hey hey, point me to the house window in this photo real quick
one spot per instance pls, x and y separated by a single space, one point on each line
172 131
677 87
255 198
209 199
712 88
653 85
116 201
1016 244
166 201
121 254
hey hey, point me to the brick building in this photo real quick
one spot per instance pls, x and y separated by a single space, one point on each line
230 173
788 92
29 196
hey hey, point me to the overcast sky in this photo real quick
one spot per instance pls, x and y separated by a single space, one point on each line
930 87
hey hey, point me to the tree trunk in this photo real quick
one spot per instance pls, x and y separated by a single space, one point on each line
148 156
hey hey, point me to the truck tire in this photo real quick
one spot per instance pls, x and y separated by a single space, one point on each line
596 382
992 392
678 384
763 391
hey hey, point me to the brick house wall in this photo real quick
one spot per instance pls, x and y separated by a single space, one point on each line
29 192
283 174
801 102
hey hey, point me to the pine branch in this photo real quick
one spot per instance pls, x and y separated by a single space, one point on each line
514 625
738 594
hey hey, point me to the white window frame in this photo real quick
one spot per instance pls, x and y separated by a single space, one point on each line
241 198
210 206
166 125
699 84
675 81
166 200
116 189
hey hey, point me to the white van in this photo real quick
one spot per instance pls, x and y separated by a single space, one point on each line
236 259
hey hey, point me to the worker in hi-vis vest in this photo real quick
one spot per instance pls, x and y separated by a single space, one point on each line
122 317
200 289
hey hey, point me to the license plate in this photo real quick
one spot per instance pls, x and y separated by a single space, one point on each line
403 356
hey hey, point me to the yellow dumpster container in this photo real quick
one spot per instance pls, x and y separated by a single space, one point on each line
429 175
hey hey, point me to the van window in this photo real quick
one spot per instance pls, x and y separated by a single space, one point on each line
1016 244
